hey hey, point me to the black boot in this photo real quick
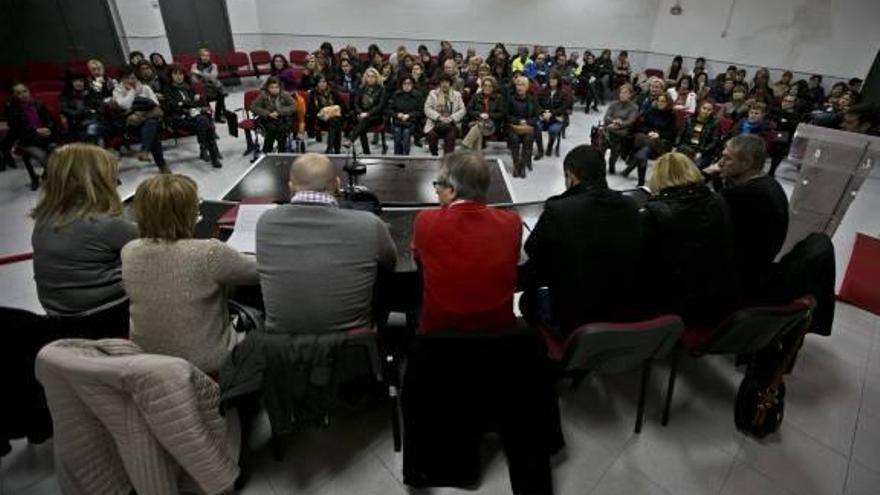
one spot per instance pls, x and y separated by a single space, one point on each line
203 150
214 154
550 142
517 160
526 161
539 140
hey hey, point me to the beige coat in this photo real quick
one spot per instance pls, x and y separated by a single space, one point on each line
436 105
126 421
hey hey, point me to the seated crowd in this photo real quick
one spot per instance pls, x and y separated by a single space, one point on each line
594 254
440 98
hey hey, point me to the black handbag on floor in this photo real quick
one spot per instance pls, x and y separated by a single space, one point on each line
760 400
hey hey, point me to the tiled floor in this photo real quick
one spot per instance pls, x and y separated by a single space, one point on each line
829 442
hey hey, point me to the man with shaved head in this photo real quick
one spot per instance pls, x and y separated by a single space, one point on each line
317 262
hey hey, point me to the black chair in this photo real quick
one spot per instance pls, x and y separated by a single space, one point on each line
618 347
745 332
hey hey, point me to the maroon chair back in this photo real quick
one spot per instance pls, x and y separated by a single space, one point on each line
725 126
238 63
42 71
298 57
618 347
260 57
112 71
45 86
364 57
77 67
345 100
185 59
749 329
681 115
298 73
249 98
654 73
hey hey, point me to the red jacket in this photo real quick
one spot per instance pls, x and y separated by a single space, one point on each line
468 254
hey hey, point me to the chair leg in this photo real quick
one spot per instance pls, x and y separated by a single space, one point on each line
392 375
673 369
640 413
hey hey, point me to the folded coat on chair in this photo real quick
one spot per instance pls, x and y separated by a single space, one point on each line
127 421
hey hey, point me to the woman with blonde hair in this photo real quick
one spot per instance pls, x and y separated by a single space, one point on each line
177 285
79 231
368 106
687 229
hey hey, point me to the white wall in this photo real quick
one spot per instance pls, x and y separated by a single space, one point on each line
141 26
831 37
244 22
575 23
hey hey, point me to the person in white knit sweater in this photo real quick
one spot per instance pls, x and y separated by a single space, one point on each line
177 285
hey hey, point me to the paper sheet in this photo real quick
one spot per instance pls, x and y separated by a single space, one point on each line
244 235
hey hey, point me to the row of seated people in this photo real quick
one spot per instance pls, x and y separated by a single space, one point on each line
639 128
441 114
88 256
318 264
149 101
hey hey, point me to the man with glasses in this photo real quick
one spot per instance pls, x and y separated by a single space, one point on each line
467 252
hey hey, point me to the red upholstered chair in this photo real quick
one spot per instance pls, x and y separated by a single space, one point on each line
238 65
617 347
261 57
45 86
298 57
681 115
297 76
112 71
77 66
186 60
42 71
248 123
654 73
746 331
725 126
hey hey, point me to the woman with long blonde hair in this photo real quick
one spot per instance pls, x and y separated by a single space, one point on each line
688 233
369 103
79 231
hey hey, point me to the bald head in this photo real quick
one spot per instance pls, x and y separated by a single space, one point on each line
313 172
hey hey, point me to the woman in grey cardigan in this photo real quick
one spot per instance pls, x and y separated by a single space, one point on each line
177 285
79 231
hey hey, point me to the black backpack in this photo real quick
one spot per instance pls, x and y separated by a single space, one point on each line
760 400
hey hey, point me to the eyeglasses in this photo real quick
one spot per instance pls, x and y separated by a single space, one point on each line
441 183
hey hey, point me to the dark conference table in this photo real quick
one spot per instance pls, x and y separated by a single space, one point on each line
404 186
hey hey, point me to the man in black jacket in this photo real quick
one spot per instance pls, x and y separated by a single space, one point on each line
758 212
586 249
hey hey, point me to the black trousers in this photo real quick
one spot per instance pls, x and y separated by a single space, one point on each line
334 133
275 130
362 128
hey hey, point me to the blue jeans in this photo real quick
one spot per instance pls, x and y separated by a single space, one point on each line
402 135
553 127
151 141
